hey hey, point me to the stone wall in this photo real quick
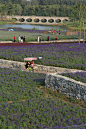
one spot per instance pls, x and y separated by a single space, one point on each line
57 82
66 85
12 64
39 68
51 69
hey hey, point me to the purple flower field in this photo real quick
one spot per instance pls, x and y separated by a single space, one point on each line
22 106
26 30
78 76
71 55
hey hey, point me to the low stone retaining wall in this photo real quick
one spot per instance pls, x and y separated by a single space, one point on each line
66 85
57 82
12 64
39 68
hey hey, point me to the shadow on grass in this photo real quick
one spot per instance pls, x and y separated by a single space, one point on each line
40 82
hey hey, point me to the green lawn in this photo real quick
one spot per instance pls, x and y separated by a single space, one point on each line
9 36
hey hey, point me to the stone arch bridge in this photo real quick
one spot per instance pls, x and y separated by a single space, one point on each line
55 20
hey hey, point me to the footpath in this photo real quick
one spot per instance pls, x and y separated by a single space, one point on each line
45 42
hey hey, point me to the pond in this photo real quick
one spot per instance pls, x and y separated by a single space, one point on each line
39 27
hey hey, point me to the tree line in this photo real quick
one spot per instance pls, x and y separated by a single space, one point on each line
62 8
53 2
43 2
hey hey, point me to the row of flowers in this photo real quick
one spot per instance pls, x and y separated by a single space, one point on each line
62 55
24 106
78 76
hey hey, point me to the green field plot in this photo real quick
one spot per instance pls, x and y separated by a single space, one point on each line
23 105
32 35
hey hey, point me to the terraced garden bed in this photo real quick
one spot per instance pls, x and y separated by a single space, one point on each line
23 105
78 76
61 55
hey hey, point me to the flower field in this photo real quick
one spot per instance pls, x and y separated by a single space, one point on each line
24 106
78 76
71 55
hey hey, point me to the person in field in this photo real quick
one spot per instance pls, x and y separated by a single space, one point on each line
48 38
24 39
14 38
59 31
27 66
32 65
19 39
56 38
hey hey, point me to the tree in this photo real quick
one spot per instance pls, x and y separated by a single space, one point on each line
18 9
11 9
4 11
83 15
81 12
34 2
74 15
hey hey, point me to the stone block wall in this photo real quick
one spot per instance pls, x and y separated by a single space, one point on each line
51 69
66 85
39 68
57 82
12 64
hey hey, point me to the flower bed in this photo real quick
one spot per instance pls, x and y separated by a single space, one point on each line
61 55
27 30
78 76
24 106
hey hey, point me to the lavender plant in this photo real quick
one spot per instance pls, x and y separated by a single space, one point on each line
24 106
79 76
62 55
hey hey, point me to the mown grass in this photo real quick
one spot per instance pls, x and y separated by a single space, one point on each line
9 36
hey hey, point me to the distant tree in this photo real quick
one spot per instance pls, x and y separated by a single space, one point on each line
74 13
42 7
18 9
77 11
34 2
11 9
4 11
1 11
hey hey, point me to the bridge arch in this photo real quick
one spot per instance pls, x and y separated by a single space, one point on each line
29 20
65 20
36 20
58 20
15 19
51 20
43 20
21 19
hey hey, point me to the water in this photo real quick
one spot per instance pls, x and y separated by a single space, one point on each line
29 26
